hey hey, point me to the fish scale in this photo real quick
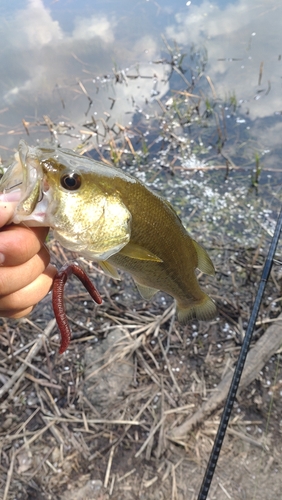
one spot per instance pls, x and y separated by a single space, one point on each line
111 217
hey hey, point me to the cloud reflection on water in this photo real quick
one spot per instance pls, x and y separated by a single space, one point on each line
40 57
239 37
43 58
33 27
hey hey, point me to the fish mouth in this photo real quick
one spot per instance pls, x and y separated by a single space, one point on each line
21 185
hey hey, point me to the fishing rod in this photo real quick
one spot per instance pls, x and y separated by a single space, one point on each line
240 365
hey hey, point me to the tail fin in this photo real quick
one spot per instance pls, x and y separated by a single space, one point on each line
203 309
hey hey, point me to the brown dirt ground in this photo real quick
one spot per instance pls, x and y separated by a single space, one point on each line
62 440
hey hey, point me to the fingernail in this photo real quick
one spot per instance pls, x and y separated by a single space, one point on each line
2 259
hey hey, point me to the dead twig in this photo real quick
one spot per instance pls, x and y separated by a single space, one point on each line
9 476
265 347
33 352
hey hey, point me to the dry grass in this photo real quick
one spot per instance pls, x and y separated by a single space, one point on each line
55 437
66 431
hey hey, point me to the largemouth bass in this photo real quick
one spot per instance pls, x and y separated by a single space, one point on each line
111 217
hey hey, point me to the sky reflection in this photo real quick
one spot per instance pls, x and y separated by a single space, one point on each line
49 48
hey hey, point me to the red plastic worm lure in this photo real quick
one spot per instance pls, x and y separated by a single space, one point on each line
58 299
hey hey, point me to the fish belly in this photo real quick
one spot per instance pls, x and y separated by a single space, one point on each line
191 301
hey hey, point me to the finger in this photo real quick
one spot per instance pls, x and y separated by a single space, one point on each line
16 278
6 212
19 244
20 303
17 313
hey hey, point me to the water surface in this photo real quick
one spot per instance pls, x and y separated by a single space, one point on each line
48 47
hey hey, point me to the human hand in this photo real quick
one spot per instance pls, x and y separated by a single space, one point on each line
25 273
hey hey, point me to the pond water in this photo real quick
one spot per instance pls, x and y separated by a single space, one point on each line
78 70
50 49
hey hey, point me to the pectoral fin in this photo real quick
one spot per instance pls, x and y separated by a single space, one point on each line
146 292
109 269
204 262
135 251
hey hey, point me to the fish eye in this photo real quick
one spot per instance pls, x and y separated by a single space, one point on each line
71 182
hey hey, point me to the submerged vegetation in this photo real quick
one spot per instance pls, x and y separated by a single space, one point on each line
256 172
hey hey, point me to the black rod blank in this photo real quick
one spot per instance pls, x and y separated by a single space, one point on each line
240 365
